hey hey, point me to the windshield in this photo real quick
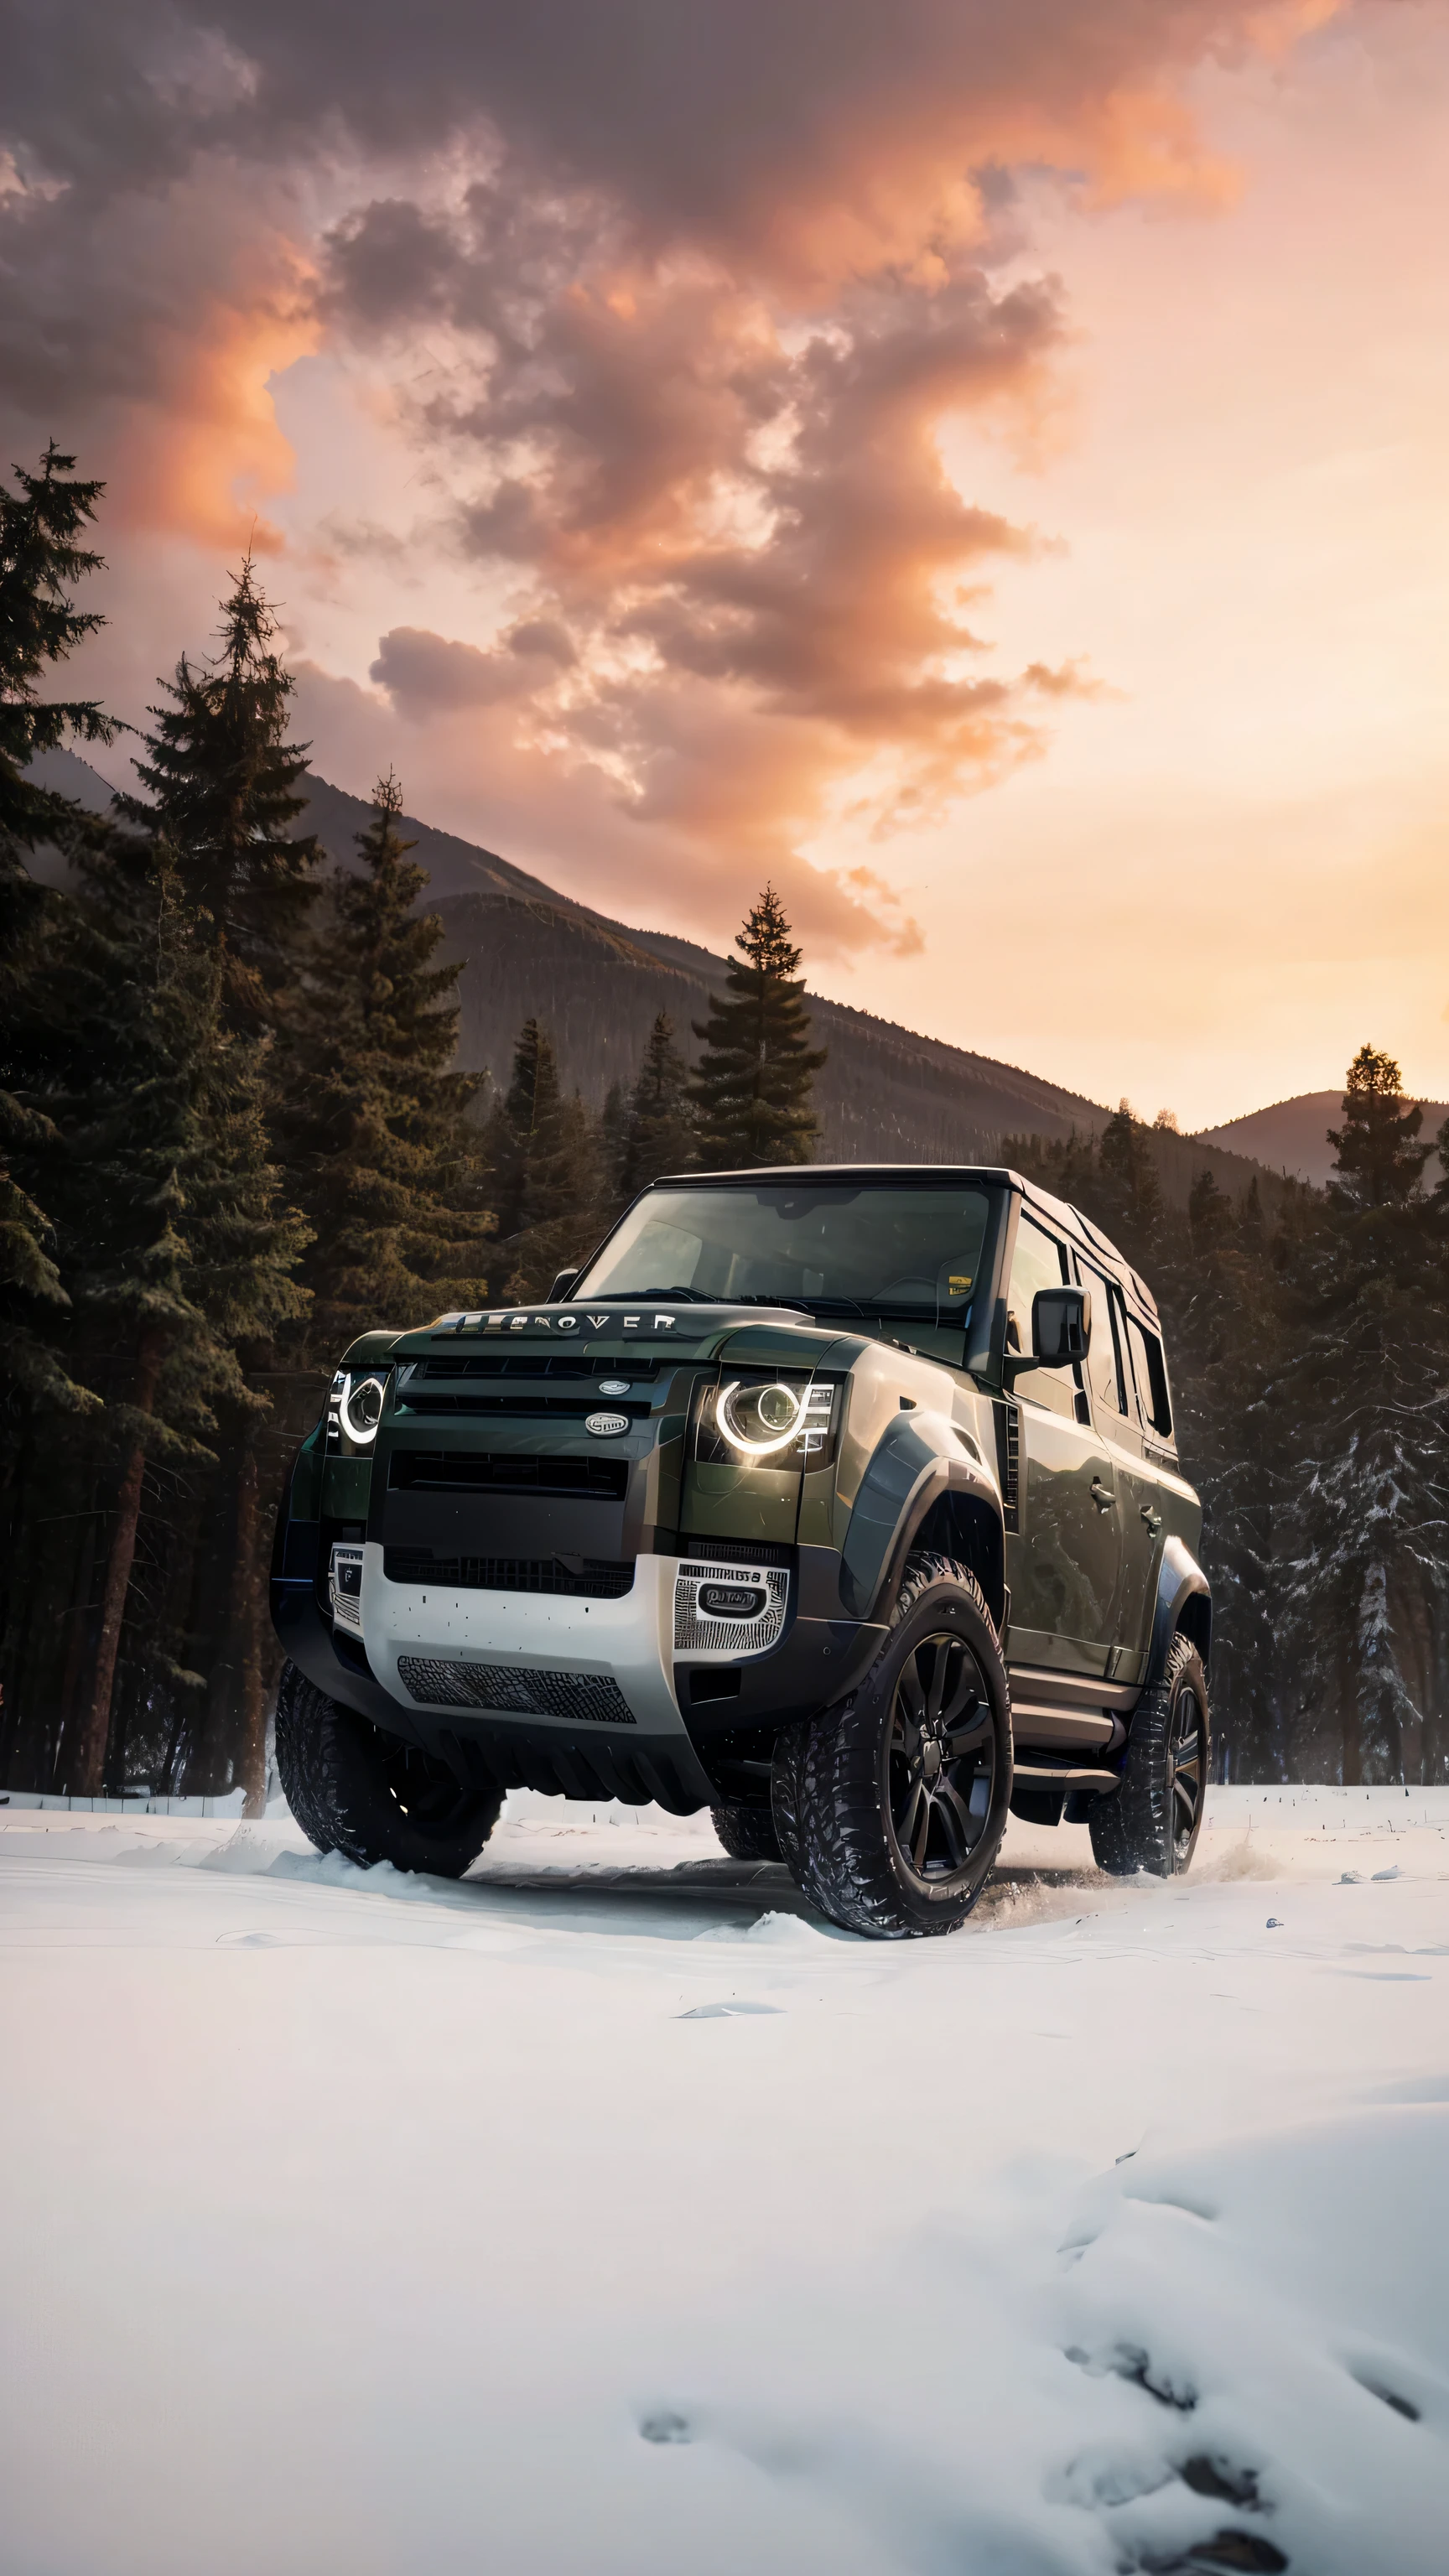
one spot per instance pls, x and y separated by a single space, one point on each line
903 1251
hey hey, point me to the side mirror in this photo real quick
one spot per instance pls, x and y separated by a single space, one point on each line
1061 1331
1061 1326
561 1286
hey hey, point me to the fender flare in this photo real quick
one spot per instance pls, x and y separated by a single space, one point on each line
908 1474
1180 1580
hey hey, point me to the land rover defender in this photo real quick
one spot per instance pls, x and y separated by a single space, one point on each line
844 1501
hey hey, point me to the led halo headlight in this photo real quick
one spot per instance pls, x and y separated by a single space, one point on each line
760 1420
359 1408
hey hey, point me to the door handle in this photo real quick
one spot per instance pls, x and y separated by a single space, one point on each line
1152 1518
1100 1495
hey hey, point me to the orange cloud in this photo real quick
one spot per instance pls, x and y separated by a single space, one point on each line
201 459
712 283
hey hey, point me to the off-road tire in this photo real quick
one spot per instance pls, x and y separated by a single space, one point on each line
357 1790
785 1797
849 1861
1146 1825
747 1833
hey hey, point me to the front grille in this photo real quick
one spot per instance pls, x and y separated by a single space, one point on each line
518 1408
636 1369
594 1578
593 1698
473 1471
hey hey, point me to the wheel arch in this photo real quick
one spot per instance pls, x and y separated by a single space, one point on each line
961 1523
914 1495
1184 1606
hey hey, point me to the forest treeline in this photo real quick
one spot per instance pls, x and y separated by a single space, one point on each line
1310 1360
234 1132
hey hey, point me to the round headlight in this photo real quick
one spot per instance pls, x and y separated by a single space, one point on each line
760 1419
361 1408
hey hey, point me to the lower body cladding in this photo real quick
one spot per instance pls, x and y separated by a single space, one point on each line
668 1692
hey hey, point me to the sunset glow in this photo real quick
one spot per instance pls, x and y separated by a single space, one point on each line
984 471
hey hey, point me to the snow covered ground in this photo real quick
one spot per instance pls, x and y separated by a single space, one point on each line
608 2216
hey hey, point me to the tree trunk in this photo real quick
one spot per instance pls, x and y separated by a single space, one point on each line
86 1766
77 1650
251 1762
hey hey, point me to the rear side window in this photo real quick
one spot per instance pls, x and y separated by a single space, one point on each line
1104 1366
1150 1370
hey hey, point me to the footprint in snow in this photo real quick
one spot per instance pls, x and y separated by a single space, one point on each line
665 2426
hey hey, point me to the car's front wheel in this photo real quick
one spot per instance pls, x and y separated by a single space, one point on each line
357 1790
898 1799
1153 1821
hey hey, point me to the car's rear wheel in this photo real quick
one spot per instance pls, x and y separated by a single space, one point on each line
1154 1820
357 1790
899 1797
747 1833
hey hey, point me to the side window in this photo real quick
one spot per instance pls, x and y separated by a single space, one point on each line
1150 1371
1037 1262
1104 1364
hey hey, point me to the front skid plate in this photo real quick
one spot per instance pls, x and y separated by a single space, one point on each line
433 1648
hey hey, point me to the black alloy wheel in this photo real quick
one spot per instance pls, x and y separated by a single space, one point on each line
940 1759
890 1807
1153 1821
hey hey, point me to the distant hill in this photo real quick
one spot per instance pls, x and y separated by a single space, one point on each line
1292 1136
885 1094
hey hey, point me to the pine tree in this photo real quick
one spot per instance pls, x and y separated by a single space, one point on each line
658 1132
523 1127
1129 1188
223 791
171 1242
1379 1158
373 1119
752 1086
38 627
548 1182
1209 1213
613 1127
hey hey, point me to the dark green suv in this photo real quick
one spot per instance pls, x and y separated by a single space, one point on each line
843 1501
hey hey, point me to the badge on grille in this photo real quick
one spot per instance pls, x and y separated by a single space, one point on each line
606 1426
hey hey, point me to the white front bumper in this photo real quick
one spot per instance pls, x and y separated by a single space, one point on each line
430 1647
629 1642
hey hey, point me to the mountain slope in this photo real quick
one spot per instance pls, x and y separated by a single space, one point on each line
1292 1135
885 1094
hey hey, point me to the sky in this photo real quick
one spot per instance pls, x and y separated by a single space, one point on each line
981 469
